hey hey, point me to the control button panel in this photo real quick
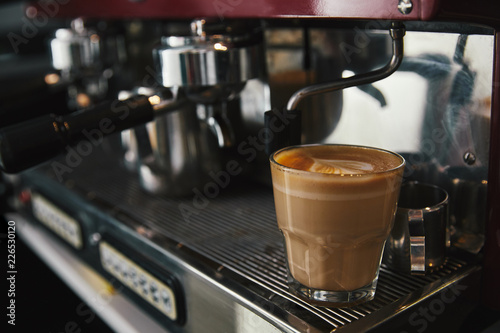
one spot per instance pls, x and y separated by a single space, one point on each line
56 220
143 283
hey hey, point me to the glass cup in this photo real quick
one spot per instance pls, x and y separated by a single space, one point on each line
335 206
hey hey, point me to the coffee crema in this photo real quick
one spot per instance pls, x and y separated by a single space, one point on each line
335 206
338 160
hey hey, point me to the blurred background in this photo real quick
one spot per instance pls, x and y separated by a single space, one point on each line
43 302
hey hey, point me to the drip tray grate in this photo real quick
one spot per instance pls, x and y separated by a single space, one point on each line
237 230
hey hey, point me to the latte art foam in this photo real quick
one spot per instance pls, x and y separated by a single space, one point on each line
334 160
339 167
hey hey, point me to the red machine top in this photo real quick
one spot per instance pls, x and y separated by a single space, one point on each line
355 9
481 12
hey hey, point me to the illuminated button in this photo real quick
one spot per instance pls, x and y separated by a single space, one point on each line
167 302
106 257
24 197
154 291
116 265
133 277
112 261
124 270
143 282
71 230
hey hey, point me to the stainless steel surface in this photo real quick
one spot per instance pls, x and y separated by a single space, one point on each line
214 66
438 111
292 65
200 62
228 239
173 153
419 238
87 56
85 48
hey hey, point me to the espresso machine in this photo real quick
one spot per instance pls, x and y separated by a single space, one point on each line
150 171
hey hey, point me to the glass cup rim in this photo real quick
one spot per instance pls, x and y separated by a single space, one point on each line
289 169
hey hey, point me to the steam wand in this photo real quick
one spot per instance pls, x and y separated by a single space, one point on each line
288 121
397 32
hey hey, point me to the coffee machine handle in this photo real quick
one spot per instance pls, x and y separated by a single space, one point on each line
283 128
32 142
417 240
16 106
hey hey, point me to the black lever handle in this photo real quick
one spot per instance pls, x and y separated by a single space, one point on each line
29 98
30 143
283 129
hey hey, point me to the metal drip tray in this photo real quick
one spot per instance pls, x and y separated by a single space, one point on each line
235 230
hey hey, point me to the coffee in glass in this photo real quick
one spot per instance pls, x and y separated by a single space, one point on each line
335 206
